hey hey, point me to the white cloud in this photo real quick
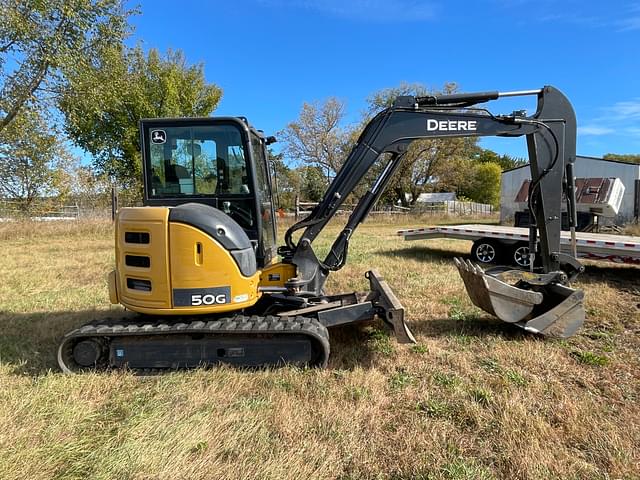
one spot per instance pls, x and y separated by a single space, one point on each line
594 130
622 118
365 10
627 24
594 15
625 110
632 22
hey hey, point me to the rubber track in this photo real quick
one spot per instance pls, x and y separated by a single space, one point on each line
238 324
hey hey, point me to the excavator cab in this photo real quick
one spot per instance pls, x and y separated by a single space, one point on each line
220 162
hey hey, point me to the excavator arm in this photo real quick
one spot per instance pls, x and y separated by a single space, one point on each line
551 142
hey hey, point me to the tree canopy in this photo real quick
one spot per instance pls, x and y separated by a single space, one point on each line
317 137
41 40
505 161
104 102
32 161
633 158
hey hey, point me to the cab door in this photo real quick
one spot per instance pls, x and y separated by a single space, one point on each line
265 200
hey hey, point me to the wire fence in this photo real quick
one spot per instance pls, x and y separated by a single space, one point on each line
105 205
455 207
38 209
444 208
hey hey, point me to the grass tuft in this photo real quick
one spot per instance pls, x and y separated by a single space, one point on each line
401 379
515 378
381 342
481 396
435 408
590 358
445 379
419 349
465 469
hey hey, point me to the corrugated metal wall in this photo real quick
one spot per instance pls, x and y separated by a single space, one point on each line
585 167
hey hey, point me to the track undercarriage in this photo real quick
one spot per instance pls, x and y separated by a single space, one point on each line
299 336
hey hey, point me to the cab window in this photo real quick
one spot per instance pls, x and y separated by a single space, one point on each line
196 160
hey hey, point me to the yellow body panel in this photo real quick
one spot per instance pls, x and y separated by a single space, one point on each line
212 267
180 257
153 221
277 274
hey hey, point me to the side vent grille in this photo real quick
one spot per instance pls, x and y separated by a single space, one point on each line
137 284
137 261
136 237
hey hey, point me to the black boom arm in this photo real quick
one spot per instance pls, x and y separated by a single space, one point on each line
551 142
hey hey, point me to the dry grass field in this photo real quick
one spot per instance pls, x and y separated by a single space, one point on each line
474 399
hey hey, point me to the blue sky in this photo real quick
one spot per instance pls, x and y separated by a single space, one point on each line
270 56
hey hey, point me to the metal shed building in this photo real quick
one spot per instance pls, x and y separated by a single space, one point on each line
628 173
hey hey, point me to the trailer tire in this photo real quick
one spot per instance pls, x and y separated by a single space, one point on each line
520 254
486 251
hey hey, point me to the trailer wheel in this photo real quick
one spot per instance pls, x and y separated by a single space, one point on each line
520 254
485 251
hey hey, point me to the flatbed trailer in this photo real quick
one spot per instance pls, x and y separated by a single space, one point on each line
498 244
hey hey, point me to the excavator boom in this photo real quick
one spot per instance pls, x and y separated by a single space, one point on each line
551 142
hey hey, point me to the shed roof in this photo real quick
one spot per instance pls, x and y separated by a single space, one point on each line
437 197
577 158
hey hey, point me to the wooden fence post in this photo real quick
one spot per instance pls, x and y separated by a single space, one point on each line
114 203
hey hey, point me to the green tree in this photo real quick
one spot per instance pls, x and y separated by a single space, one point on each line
633 158
426 160
286 180
317 137
104 102
484 185
313 183
505 161
41 40
33 162
456 175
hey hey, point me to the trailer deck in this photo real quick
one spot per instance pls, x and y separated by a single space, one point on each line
593 246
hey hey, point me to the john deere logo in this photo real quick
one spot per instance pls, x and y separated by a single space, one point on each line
451 125
158 136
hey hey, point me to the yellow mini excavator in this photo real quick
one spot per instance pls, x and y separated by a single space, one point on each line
198 269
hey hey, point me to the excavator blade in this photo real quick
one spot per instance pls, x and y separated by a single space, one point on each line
389 303
549 309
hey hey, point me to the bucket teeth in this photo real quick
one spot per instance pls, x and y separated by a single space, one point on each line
553 309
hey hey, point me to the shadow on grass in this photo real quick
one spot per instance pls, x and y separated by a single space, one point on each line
29 341
422 253
481 328
355 346
620 275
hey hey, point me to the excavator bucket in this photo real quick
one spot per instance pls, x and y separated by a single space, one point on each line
549 309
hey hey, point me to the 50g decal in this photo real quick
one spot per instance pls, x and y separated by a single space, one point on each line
208 299
201 297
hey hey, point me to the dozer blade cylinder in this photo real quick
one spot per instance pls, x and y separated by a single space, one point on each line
552 309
